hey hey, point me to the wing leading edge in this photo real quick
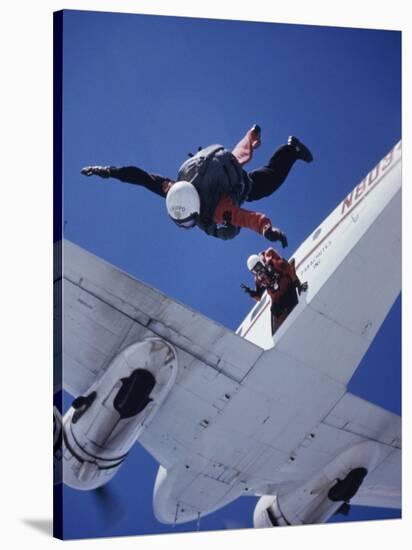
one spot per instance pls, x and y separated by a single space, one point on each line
105 309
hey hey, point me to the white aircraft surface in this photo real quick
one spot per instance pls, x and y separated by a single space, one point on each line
228 414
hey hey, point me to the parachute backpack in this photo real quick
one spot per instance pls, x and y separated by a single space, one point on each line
214 172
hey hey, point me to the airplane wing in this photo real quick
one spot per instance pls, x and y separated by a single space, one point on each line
351 422
105 309
382 487
353 455
235 416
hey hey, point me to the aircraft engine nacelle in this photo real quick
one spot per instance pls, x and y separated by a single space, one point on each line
316 500
102 425
57 445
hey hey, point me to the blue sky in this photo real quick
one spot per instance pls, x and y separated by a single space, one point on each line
146 90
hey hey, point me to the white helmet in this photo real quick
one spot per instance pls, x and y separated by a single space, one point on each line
183 204
253 261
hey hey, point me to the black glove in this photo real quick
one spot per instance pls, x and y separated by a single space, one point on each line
302 287
248 290
102 171
273 234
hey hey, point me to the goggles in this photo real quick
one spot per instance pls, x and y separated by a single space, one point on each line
259 267
187 223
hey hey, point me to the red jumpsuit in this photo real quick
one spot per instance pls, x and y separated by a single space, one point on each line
278 278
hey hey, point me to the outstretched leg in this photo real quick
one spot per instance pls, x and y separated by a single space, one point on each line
243 151
131 174
269 178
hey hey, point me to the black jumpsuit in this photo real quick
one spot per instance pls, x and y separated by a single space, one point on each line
263 181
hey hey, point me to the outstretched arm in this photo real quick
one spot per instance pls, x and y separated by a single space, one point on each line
255 294
131 174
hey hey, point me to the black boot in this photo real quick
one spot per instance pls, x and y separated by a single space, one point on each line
301 149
